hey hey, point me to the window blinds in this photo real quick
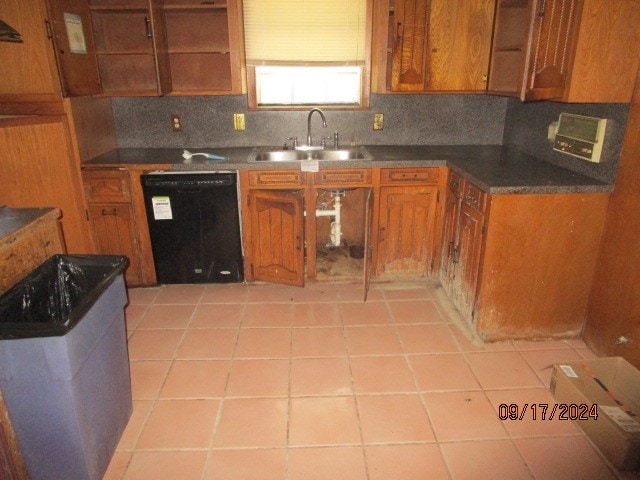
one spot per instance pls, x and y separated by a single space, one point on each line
305 32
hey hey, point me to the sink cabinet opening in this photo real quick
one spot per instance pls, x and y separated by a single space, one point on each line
340 233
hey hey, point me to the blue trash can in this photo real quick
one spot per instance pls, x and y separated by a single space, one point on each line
64 365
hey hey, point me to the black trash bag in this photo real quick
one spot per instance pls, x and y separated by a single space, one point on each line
55 296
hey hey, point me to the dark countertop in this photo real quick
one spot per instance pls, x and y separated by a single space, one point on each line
13 219
493 168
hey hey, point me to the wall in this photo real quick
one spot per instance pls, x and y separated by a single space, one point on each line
526 126
409 119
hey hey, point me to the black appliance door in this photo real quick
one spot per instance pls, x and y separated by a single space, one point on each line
194 227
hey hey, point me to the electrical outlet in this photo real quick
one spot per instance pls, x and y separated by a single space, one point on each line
238 121
176 125
378 121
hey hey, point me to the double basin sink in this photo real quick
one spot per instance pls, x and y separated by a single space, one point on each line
267 154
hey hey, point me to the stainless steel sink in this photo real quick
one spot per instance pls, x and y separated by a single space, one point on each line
269 154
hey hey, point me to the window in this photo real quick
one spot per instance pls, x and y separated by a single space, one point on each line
312 52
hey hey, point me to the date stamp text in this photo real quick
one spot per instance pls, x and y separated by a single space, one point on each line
547 411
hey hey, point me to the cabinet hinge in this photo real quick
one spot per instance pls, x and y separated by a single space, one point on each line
86 214
483 230
438 196
47 24
248 200
251 267
432 263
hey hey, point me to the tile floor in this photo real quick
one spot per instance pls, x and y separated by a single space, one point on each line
273 382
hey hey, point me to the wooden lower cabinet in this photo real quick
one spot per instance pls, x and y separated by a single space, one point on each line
462 243
406 230
277 236
113 219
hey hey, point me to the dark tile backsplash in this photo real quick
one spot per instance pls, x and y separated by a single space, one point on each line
207 121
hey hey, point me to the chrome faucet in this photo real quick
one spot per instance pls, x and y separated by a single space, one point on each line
324 124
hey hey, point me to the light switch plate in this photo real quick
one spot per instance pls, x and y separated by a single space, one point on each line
238 121
378 121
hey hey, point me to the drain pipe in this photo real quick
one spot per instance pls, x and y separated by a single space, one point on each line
336 226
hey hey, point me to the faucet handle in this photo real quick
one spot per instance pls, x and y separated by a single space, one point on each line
335 140
323 141
295 141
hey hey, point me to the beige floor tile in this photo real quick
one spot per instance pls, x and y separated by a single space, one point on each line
316 315
369 313
529 404
323 421
208 343
373 340
405 462
463 416
563 458
133 313
117 466
167 316
226 293
387 374
179 424
323 292
469 342
217 315
147 377
154 344
264 343
270 293
485 460
335 463
254 464
167 465
252 422
522 345
318 342
355 293
320 376
415 311
196 379
442 372
410 291
142 296
258 378
168 294
268 315
393 419
429 338
496 370
141 411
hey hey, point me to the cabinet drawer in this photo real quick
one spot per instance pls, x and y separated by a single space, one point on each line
409 175
474 197
455 184
107 186
343 176
279 178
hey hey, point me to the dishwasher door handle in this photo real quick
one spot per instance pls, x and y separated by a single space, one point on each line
188 190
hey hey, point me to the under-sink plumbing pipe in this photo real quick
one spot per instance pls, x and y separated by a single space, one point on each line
336 226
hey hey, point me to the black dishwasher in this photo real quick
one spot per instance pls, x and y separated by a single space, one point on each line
194 225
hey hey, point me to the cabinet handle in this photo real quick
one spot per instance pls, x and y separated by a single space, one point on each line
450 248
456 255
472 201
109 211
381 233
298 242
147 24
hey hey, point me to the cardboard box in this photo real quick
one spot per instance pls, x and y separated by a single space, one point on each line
603 396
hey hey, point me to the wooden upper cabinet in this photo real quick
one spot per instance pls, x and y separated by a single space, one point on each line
607 52
409 61
532 45
431 45
131 46
206 50
70 27
459 44
29 68
571 50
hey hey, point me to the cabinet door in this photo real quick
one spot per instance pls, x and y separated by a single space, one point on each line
459 44
74 47
277 236
406 230
551 47
30 67
468 258
449 240
409 69
131 47
115 232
